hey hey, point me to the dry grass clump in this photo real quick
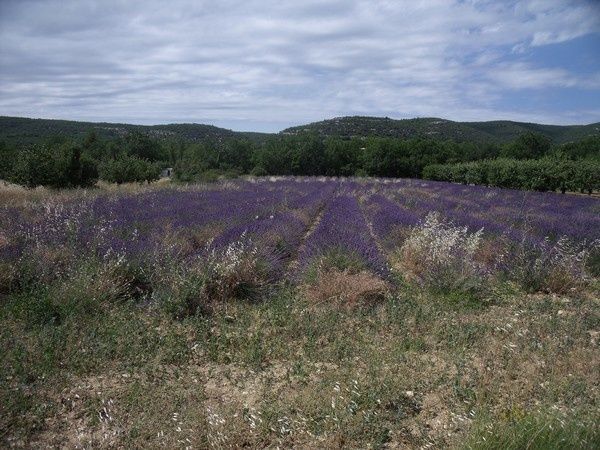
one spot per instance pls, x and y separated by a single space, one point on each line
553 267
346 288
129 188
237 271
15 195
188 242
441 255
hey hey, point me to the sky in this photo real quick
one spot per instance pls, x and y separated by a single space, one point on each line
264 65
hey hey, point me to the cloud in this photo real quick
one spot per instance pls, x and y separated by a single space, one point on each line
523 76
284 62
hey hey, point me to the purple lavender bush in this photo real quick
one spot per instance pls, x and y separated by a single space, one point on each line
343 232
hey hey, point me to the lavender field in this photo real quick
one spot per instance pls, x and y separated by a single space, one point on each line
292 222
298 312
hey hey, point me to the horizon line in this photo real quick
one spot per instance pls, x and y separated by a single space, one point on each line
293 126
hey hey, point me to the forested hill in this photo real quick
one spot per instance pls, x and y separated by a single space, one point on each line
23 130
498 132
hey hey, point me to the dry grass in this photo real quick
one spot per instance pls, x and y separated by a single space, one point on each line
347 288
13 195
410 372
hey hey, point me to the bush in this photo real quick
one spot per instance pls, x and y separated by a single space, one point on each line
531 174
259 171
552 267
238 271
442 256
61 167
528 145
128 169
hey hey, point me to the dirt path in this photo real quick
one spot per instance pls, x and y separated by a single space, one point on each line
380 247
371 231
294 264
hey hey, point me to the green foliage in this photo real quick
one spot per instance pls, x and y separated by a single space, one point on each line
128 169
496 132
302 154
143 147
58 167
207 161
342 156
431 148
531 174
8 156
588 147
259 171
526 146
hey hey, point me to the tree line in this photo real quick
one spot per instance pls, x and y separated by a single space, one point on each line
547 174
63 162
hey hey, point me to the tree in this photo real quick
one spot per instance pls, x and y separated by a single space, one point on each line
8 155
128 169
528 146
144 147
58 167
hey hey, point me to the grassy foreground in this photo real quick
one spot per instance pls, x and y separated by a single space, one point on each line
414 371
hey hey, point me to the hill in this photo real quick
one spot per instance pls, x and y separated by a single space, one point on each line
436 128
31 130
24 130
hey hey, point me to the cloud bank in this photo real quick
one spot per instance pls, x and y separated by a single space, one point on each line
269 64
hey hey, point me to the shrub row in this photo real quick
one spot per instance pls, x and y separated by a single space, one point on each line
530 174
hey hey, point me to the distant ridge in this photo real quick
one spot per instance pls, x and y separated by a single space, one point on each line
498 131
30 130
19 129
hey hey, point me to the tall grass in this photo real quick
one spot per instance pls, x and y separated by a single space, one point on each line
441 256
536 431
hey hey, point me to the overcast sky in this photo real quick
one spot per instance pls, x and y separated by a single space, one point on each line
267 64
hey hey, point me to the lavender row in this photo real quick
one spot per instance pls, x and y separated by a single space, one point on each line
279 235
343 228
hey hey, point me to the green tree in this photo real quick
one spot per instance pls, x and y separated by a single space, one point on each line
58 167
144 147
128 169
528 146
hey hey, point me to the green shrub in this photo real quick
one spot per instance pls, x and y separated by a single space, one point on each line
530 174
62 167
259 171
128 169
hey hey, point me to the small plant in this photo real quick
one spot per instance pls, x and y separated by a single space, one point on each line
553 267
237 271
441 255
